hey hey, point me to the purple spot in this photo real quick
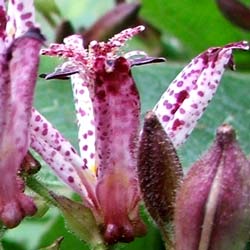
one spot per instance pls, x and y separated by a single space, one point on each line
53 153
90 132
200 93
45 125
194 105
70 179
45 132
81 91
177 123
85 147
165 118
67 153
180 83
92 155
197 113
26 16
167 105
29 24
175 108
82 112
182 111
181 96
38 118
195 86
212 86
20 7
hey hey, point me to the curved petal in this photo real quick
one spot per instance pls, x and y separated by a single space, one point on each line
61 157
17 89
187 97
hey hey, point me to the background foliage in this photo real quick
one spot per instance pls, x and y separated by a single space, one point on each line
184 28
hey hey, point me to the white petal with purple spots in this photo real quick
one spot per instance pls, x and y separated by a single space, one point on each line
188 95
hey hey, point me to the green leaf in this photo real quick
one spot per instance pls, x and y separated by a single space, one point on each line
79 220
198 24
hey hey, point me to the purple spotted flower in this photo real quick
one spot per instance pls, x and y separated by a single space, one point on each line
108 116
20 43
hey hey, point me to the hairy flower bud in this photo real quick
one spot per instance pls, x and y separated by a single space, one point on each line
213 203
159 173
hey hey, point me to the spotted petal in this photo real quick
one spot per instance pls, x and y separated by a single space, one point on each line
188 95
62 157
117 109
85 121
21 17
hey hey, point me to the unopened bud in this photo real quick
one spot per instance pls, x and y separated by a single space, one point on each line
159 172
213 204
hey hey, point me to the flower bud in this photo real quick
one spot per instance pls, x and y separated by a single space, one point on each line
159 173
213 204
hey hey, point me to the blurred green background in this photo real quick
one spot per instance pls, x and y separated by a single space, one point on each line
178 30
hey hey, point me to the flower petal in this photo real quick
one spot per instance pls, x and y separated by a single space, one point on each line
17 84
21 17
85 121
117 110
61 157
188 95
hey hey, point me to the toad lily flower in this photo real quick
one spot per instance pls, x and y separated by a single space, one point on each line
19 55
108 116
